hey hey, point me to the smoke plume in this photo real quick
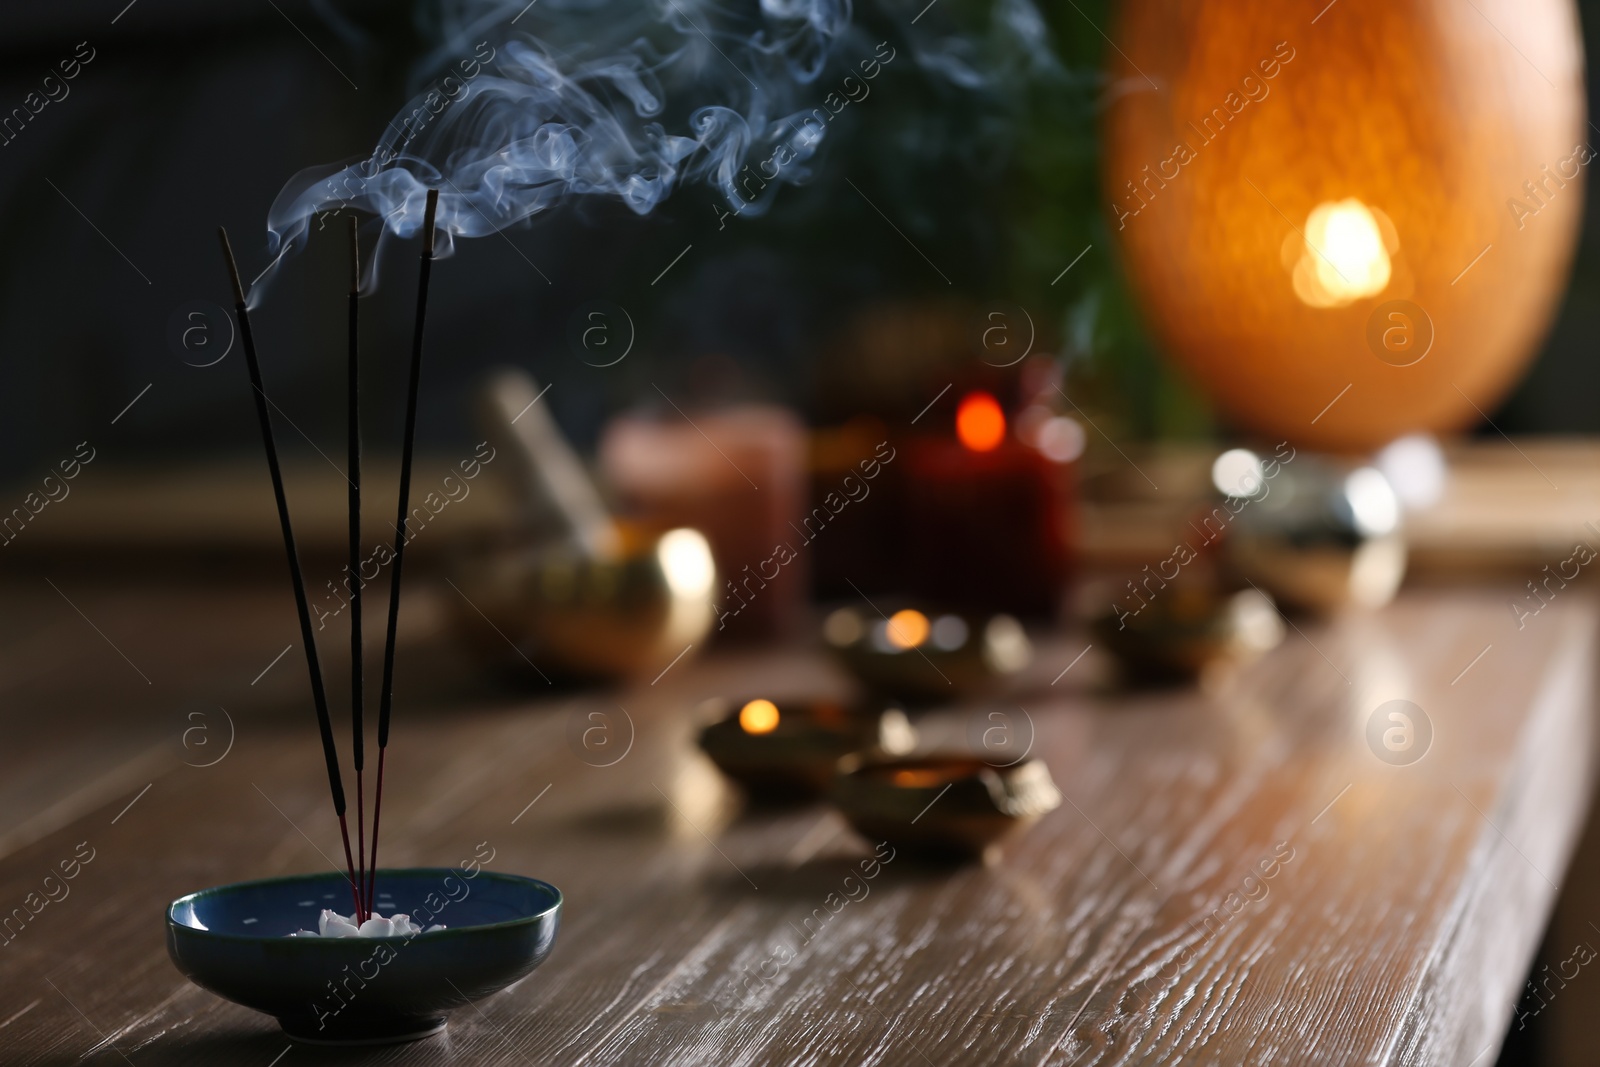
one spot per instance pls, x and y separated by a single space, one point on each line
522 106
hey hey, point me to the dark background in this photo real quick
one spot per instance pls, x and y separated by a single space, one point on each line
191 115
195 114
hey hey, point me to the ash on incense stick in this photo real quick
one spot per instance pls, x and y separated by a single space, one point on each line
331 924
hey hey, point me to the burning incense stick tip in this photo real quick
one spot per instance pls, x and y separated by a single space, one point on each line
355 257
427 222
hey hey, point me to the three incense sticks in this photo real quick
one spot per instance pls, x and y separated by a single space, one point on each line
362 866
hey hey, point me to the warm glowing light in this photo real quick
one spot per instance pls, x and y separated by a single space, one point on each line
980 424
1345 255
686 562
1372 502
907 629
918 778
1061 439
842 627
1416 468
758 717
1238 473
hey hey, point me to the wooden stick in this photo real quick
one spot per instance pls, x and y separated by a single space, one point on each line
307 638
386 696
357 697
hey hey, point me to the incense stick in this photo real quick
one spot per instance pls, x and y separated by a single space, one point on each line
318 694
353 422
386 696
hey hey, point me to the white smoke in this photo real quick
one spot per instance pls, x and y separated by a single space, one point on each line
524 105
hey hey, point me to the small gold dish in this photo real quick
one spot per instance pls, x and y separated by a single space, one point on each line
914 655
942 807
790 749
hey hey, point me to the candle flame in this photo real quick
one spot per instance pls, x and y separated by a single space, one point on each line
980 424
758 717
907 629
919 778
1345 255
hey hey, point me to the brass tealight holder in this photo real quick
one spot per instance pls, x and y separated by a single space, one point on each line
1185 629
790 749
942 807
915 655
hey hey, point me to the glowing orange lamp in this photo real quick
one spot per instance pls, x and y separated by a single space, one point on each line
1351 221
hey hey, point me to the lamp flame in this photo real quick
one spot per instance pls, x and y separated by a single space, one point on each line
1346 253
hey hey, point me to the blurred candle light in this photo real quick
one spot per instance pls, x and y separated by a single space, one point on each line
922 778
759 717
1344 255
980 424
907 629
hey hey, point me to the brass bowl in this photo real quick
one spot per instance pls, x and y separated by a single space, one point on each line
942 807
934 656
792 749
564 614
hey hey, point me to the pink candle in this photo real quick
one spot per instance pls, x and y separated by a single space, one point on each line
738 476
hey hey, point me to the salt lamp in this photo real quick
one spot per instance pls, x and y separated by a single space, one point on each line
1350 223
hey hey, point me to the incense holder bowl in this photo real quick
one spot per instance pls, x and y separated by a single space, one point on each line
234 941
943 808
790 749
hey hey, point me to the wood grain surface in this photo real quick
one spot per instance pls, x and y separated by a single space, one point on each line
1503 512
1235 877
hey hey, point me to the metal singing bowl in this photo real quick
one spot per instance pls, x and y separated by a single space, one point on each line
1322 536
582 617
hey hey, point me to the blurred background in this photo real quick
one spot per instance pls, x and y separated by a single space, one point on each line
953 244
191 115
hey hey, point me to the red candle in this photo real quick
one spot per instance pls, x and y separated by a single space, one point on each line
987 523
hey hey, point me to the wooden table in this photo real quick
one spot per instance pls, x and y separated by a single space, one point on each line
1395 925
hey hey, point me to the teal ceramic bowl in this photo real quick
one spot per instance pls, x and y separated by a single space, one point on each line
233 940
